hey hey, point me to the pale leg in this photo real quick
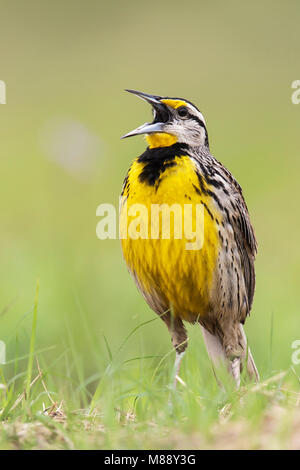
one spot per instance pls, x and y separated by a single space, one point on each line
236 370
178 359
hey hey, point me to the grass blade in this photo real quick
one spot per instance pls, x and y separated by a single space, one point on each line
32 342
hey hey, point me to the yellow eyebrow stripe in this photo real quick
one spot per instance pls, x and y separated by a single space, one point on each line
174 103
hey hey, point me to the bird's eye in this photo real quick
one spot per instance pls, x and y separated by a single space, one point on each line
182 112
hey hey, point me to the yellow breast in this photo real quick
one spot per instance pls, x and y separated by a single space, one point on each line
183 276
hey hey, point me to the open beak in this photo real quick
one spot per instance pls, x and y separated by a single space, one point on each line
161 115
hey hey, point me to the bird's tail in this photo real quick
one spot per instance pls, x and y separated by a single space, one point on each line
218 356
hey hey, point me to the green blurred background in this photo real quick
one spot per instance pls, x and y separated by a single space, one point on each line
66 65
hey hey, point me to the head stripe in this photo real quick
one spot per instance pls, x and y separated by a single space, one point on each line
174 103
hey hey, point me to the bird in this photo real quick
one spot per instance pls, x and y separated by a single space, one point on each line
212 286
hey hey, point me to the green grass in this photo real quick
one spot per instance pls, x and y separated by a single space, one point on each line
130 403
32 344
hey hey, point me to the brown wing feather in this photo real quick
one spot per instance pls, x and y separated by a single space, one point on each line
236 209
245 238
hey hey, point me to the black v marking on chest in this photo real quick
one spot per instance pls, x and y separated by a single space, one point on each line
157 160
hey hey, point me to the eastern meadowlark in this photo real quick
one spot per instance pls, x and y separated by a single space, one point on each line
214 285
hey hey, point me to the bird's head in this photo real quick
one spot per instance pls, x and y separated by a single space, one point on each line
175 121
